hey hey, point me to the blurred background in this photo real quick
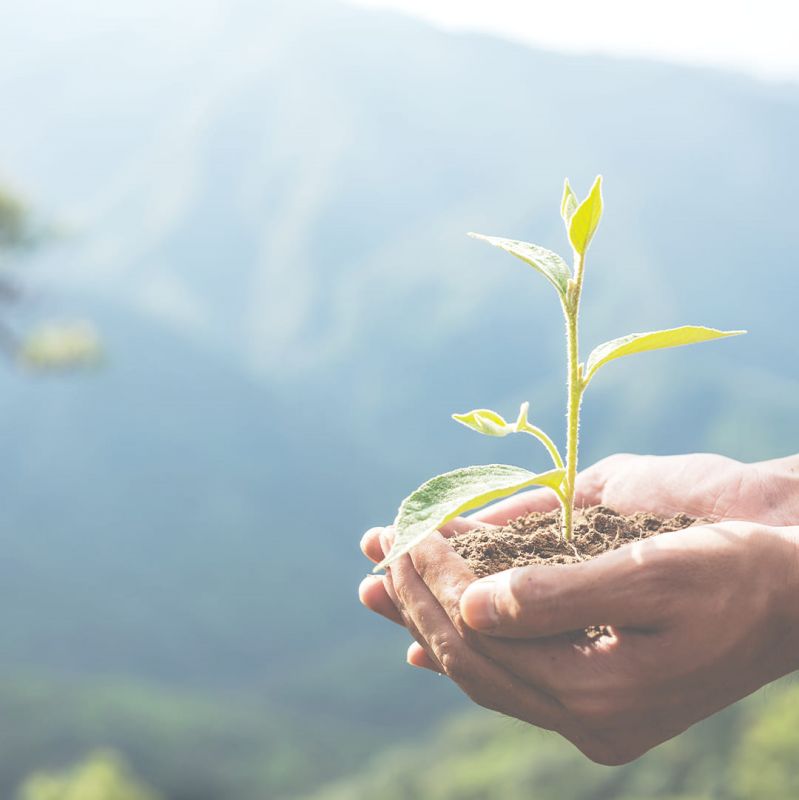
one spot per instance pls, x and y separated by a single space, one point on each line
261 207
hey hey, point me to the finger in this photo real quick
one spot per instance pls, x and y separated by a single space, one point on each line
386 542
446 575
610 589
370 541
417 657
407 621
560 665
517 506
372 593
461 525
488 684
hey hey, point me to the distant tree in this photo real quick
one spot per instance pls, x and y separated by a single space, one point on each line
53 346
16 235
103 776
17 231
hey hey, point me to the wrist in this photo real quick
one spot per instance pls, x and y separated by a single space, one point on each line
779 482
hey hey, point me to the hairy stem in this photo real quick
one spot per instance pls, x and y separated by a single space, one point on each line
576 386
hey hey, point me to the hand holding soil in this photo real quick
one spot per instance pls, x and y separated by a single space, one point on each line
621 651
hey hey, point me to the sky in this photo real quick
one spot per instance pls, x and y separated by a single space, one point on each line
758 38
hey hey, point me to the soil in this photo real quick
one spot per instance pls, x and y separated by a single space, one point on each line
536 539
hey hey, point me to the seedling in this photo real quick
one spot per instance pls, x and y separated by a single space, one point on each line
446 496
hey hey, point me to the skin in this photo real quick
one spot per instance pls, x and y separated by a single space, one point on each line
696 621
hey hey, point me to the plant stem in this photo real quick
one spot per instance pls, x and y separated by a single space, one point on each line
571 310
547 442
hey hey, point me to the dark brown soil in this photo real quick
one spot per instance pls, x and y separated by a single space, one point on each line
536 539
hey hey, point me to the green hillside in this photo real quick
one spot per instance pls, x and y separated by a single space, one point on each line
744 753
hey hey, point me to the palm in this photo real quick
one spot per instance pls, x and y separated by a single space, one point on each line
701 484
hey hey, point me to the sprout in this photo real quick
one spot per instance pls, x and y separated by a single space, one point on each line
446 496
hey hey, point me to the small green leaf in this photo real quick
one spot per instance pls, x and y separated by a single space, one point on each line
446 496
523 426
569 203
484 421
549 264
585 219
521 420
654 340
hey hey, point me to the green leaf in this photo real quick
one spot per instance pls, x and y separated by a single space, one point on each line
446 496
585 219
484 421
569 203
521 420
549 264
654 340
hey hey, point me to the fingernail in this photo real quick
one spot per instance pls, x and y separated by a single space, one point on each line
363 585
368 535
478 606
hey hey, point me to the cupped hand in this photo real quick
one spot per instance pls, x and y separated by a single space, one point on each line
695 621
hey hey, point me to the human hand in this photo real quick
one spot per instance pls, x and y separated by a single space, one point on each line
696 621
702 485
698 484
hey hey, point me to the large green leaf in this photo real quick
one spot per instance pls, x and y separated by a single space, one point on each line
654 340
446 496
549 264
585 219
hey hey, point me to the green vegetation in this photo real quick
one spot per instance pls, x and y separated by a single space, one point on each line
51 346
186 745
446 496
197 744
764 764
103 776
746 752
16 228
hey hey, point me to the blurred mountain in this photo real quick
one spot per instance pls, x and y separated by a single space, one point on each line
264 207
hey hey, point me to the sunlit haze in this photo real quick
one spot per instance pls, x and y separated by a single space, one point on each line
757 38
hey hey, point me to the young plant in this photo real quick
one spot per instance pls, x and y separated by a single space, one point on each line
446 496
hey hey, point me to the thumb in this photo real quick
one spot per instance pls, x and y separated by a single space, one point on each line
549 600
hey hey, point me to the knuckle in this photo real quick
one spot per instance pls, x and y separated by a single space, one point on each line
449 598
401 591
450 657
